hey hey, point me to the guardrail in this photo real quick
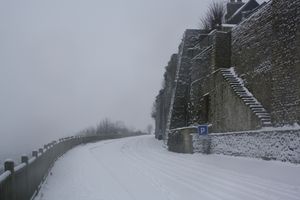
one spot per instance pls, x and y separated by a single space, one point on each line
22 182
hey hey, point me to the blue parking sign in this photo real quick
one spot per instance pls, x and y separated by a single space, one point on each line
203 130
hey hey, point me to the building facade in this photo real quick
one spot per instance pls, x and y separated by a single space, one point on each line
243 76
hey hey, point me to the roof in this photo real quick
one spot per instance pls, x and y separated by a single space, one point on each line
237 16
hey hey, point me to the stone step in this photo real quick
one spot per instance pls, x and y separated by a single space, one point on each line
228 75
255 106
231 80
234 84
240 94
252 104
264 117
231 77
239 90
263 114
266 124
250 101
247 98
259 110
237 87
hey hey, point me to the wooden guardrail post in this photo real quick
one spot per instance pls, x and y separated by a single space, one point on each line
9 165
34 154
25 159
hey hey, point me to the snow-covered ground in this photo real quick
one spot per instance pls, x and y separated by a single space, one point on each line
138 168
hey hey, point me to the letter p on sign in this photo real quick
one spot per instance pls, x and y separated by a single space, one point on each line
203 130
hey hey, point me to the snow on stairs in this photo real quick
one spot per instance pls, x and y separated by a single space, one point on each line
238 87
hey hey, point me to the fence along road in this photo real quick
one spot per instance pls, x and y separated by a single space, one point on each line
22 182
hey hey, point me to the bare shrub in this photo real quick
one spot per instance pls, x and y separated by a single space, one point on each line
214 16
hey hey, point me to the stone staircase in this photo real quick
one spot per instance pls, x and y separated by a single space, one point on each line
242 92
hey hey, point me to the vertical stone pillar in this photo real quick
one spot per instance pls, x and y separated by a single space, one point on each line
179 116
24 159
9 165
34 154
221 50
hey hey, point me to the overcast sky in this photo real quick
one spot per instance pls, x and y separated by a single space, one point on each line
67 64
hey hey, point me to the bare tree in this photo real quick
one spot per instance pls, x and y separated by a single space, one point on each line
214 16
108 127
149 129
153 111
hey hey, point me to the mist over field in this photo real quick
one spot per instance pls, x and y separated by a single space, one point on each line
67 64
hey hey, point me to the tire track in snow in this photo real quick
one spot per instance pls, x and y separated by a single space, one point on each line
184 157
99 153
185 179
259 181
179 180
249 191
251 181
271 186
188 180
155 182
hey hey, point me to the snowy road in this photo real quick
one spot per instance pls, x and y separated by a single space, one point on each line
138 168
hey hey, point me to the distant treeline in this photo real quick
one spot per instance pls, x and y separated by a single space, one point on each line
108 127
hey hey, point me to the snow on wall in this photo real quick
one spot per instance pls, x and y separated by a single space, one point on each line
283 145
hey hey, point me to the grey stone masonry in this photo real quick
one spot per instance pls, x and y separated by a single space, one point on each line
251 54
282 145
163 100
180 140
179 106
199 87
221 55
264 88
285 61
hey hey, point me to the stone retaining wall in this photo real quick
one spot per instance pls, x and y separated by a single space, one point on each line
283 145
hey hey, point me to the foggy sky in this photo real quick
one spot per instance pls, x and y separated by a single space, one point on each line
67 64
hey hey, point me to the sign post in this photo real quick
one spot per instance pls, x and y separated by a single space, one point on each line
204 139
